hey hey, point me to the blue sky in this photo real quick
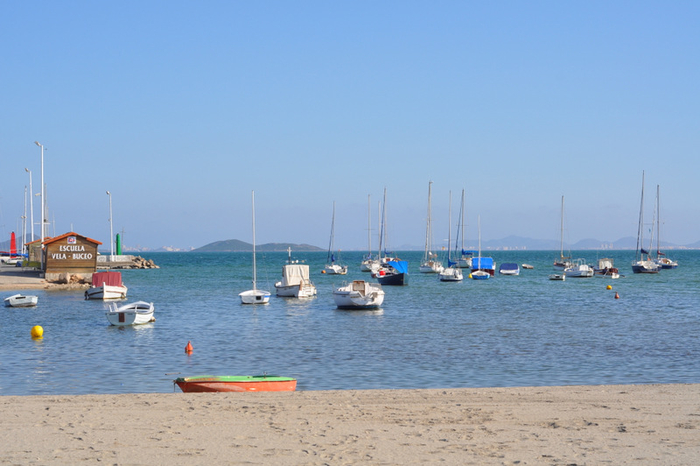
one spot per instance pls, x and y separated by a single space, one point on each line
180 109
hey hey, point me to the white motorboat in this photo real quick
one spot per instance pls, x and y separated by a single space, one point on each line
295 280
451 274
359 295
21 300
557 276
137 313
579 269
106 285
430 263
254 296
606 268
509 268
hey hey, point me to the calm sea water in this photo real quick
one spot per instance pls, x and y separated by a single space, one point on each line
508 331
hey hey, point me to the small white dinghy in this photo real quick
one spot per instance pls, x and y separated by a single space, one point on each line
21 300
137 313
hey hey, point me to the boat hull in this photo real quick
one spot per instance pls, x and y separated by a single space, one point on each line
21 301
243 383
645 267
106 292
255 297
295 291
451 274
392 279
359 295
137 313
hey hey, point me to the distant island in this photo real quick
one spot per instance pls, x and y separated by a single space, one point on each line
234 245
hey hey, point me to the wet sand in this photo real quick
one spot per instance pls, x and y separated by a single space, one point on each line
621 424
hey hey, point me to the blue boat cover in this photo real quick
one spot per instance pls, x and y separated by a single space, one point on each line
468 253
400 266
482 263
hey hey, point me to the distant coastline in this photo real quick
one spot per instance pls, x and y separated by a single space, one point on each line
510 243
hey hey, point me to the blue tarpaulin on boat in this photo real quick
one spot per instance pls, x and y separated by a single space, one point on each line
482 263
400 266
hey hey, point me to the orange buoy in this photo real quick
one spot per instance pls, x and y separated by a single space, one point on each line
188 348
617 296
323 271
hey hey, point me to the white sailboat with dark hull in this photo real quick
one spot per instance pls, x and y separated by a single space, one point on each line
643 262
254 296
430 263
393 271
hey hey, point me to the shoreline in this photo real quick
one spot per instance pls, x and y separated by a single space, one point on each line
616 424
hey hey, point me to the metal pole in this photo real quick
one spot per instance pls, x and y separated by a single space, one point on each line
43 203
31 203
111 234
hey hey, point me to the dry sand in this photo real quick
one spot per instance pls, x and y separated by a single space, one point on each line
621 424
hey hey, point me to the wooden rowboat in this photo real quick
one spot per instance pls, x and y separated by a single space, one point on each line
236 383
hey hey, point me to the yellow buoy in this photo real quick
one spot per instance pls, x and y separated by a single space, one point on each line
37 332
609 287
470 275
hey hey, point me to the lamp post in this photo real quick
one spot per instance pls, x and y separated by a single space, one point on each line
43 202
31 202
111 235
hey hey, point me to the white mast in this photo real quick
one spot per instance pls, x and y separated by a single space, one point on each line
255 272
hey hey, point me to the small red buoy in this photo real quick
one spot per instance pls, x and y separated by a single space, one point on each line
617 296
188 348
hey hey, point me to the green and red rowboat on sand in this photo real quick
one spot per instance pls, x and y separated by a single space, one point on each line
236 383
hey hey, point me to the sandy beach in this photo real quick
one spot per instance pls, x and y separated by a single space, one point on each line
617 424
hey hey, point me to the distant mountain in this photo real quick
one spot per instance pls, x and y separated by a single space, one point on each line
234 245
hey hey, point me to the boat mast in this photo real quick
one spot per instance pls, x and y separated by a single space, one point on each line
658 224
640 228
561 231
382 233
653 221
462 214
255 272
369 228
449 232
428 233
330 243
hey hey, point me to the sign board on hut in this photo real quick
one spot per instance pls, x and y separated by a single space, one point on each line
71 253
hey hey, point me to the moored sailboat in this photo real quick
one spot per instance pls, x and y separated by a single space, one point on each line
661 259
393 271
642 264
430 263
254 296
479 273
451 273
331 267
